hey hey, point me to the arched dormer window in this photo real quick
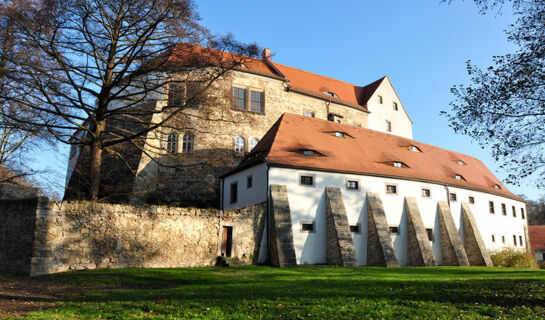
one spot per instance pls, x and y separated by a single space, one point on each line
308 153
414 148
187 143
240 145
397 164
497 187
461 163
459 177
172 143
330 93
253 143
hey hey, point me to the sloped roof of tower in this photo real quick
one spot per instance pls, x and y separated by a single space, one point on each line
364 151
301 81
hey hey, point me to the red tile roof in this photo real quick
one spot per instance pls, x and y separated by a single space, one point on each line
300 81
537 237
368 152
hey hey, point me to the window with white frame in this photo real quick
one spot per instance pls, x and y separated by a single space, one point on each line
171 143
187 143
398 164
352 184
253 143
308 113
240 144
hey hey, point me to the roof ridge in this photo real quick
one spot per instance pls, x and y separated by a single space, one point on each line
316 74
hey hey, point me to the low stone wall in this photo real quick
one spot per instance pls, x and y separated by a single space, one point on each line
86 235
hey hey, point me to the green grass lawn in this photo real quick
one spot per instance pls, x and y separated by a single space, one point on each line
303 292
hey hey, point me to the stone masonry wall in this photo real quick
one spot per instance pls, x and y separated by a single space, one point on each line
85 235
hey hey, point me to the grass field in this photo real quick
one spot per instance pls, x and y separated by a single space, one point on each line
301 292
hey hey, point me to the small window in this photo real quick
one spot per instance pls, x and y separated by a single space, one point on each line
308 153
234 192
357 124
522 213
395 106
187 143
171 143
503 209
339 134
335 117
307 226
520 241
380 99
355 228
471 200
460 162
257 101
493 238
330 93
240 145
453 197
515 240
307 180
429 231
491 207
398 164
497 187
426 193
239 98
414 149
175 94
502 239
309 114
460 177
249 181
253 143
394 230
514 211
391 188
388 126
352 185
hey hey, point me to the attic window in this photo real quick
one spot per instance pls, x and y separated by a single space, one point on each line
397 164
340 134
460 177
414 148
329 93
497 186
460 162
308 153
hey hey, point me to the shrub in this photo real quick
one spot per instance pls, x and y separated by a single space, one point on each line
509 257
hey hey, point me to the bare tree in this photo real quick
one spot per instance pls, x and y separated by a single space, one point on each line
106 64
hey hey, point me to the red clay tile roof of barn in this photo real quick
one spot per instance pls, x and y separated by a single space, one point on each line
302 81
537 237
370 152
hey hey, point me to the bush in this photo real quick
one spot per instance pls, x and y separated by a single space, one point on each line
509 257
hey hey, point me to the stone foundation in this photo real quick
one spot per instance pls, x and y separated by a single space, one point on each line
40 237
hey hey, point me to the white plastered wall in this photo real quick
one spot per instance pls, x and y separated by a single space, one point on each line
380 113
246 196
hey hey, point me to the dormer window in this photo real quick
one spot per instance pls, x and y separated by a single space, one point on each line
330 93
339 134
460 162
414 148
398 164
308 153
459 177
497 187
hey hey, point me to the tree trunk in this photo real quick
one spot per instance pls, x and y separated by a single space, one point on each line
96 161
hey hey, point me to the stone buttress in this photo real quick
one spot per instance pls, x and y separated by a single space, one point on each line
419 252
282 249
380 251
452 249
476 251
340 248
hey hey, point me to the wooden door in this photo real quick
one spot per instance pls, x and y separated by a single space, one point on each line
227 241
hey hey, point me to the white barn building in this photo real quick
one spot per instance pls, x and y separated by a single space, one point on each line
344 195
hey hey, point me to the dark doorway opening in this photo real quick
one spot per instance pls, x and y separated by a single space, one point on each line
227 241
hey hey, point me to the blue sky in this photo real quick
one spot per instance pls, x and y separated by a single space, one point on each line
421 45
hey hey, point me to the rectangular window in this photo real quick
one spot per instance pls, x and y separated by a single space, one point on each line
394 230
493 238
355 228
426 193
514 211
502 239
175 94
491 207
391 188
515 240
352 185
192 91
307 180
522 213
429 231
503 209
472 200
520 241
234 192
380 99
239 98
249 181
388 126
452 196
308 226
309 114
395 106
257 101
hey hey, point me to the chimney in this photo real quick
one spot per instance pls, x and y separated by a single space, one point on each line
266 54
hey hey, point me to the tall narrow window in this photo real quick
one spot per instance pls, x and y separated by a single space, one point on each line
522 213
491 206
388 126
429 231
520 241
503 209
171 143
192 93
253 143
514 240
187 143
395 106
493 238
514 212
257 101
234 192
240 145
380 99
239 98
175 94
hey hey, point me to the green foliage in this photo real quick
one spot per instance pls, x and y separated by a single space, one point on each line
303 292
509 257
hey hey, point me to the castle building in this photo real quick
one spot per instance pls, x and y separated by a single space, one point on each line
346 195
